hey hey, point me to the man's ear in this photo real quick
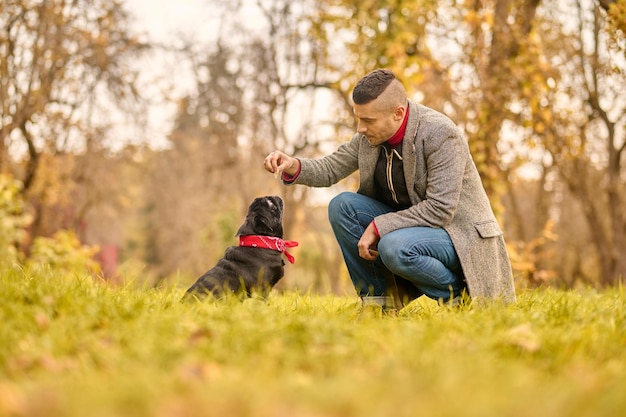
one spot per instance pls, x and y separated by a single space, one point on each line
399 112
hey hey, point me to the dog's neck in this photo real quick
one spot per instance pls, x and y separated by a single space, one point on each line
269 242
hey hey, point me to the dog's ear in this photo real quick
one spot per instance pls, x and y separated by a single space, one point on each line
249 225
247 228
260 225
266 224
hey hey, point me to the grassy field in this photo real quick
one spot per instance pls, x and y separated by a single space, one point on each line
74 347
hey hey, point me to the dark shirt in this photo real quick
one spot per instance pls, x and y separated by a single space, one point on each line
389 178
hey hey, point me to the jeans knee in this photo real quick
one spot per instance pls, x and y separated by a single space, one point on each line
389 250
337 206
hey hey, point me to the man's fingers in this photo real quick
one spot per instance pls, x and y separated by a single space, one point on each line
282 165
272 161
277 163
368 254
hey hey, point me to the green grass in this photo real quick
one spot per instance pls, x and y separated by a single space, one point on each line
70 346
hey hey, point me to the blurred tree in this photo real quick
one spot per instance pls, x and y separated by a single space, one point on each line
13 220
569 111
616 14
584 133
194 182
64 68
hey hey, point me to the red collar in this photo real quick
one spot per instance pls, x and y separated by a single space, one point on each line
269 242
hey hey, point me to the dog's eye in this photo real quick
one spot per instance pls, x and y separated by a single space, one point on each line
275 209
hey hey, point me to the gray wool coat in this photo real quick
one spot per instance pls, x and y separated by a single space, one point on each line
445 189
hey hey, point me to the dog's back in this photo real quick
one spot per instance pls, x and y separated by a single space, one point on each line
242 270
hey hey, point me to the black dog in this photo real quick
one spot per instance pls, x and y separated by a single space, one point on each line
256 265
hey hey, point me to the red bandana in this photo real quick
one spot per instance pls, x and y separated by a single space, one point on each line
269 242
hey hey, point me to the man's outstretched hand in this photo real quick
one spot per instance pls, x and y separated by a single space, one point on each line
278 162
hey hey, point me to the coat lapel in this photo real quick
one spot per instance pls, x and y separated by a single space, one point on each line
368 156
411 162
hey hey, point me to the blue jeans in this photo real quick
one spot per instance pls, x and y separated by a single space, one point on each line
424 256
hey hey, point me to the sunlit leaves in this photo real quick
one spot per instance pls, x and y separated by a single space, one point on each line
57 60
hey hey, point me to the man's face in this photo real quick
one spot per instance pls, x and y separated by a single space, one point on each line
377 125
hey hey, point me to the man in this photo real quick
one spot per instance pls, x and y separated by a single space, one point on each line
420 222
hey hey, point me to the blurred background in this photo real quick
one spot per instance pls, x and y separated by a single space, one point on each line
133 132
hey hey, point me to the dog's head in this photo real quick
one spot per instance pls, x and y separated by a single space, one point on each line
265 217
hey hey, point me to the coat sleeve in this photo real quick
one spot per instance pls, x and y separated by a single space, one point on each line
330 169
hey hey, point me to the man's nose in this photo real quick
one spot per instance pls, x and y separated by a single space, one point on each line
360 128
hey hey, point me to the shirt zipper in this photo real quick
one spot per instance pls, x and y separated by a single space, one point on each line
389 156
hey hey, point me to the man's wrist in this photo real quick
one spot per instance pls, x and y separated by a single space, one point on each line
292 177
375 229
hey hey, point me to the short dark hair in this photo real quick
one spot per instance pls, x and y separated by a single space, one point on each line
372 85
